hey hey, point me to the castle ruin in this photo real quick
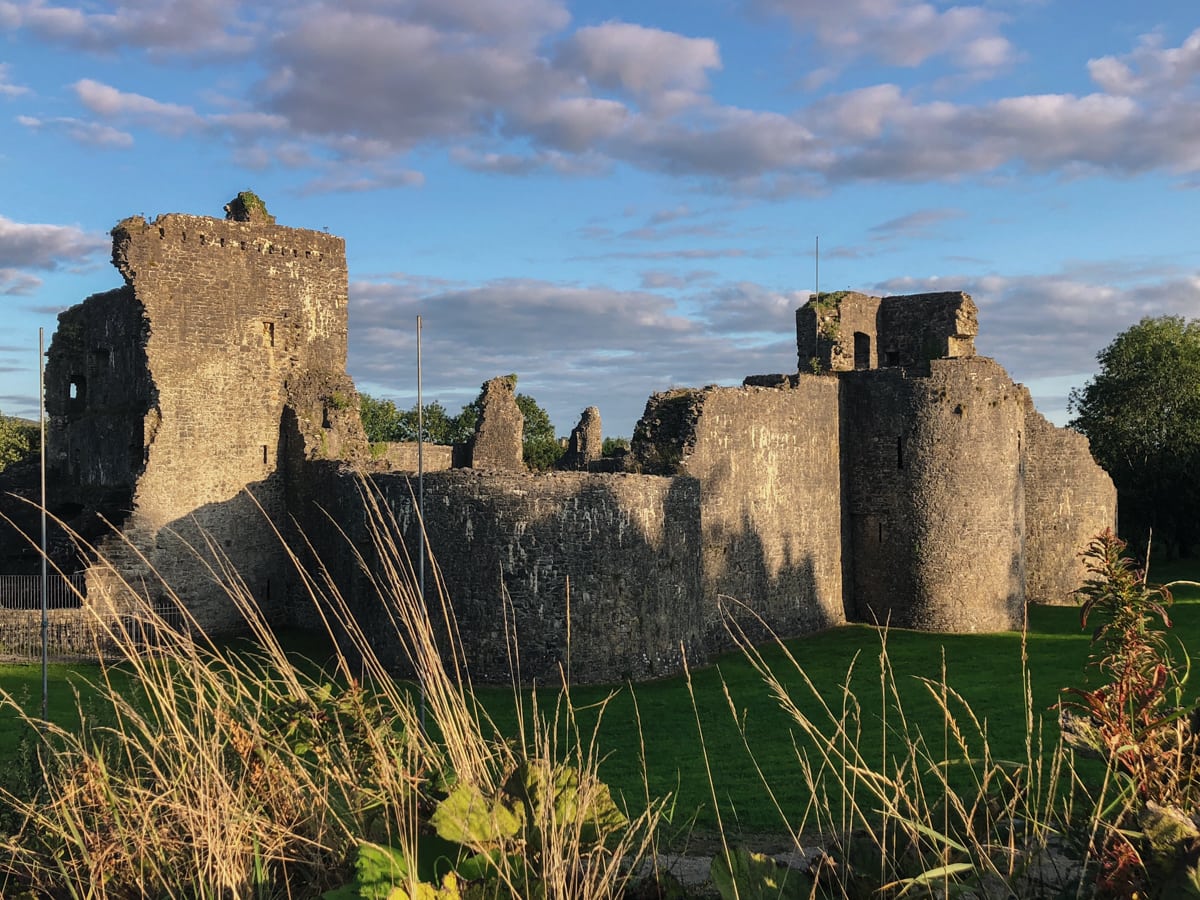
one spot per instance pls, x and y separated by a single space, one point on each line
895 476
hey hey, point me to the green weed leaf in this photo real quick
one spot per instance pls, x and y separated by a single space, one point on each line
744 875
467 817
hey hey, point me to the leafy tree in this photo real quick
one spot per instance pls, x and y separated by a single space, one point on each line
18 441
1141 414
384 421
440 427
612 445
380 418
542 449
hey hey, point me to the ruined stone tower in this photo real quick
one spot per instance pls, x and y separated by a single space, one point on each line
185 400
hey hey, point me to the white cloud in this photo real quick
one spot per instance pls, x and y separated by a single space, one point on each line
725 142
664 70
659 279
900 32
504 88
28 246
1042 326
339 180
920 224
1038 133
573 346
111 103
513 22
7 88
748 308
212 28
92 134
1149 68
574 124
15 283
395 79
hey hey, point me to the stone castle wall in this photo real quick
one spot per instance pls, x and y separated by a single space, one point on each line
402 456
1068 498
768 463
846 331
613 553
100 396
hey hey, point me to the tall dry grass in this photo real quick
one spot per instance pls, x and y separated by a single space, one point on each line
237 771
935 813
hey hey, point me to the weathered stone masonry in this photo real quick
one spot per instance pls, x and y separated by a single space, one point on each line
215 371
895 477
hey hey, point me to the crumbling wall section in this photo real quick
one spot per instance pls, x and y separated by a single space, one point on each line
917 328
1069 499
401 456
100 400
935 496
586 443
768 463
499 432
837 332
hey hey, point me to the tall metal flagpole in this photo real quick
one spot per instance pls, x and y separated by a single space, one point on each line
45 586
421 501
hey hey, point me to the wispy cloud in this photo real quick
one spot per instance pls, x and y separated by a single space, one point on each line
82 131
922 223
7 87
900 32
28 246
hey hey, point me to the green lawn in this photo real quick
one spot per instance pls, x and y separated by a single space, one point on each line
984 669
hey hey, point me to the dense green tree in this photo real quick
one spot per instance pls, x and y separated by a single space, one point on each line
541 448
613 445
18 441
439 427
380 418
384 421
1141 414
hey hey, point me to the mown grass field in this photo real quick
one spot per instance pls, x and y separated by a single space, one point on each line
650 733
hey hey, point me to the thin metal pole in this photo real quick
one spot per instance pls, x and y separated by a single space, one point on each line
817 270
421 501
45 584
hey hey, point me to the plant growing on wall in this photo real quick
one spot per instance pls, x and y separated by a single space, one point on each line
827 307
247 206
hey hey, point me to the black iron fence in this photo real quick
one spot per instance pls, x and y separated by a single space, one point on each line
73 632
25 591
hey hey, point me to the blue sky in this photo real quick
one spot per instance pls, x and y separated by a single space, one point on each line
612 199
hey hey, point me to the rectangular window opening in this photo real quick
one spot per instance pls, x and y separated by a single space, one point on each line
264 446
